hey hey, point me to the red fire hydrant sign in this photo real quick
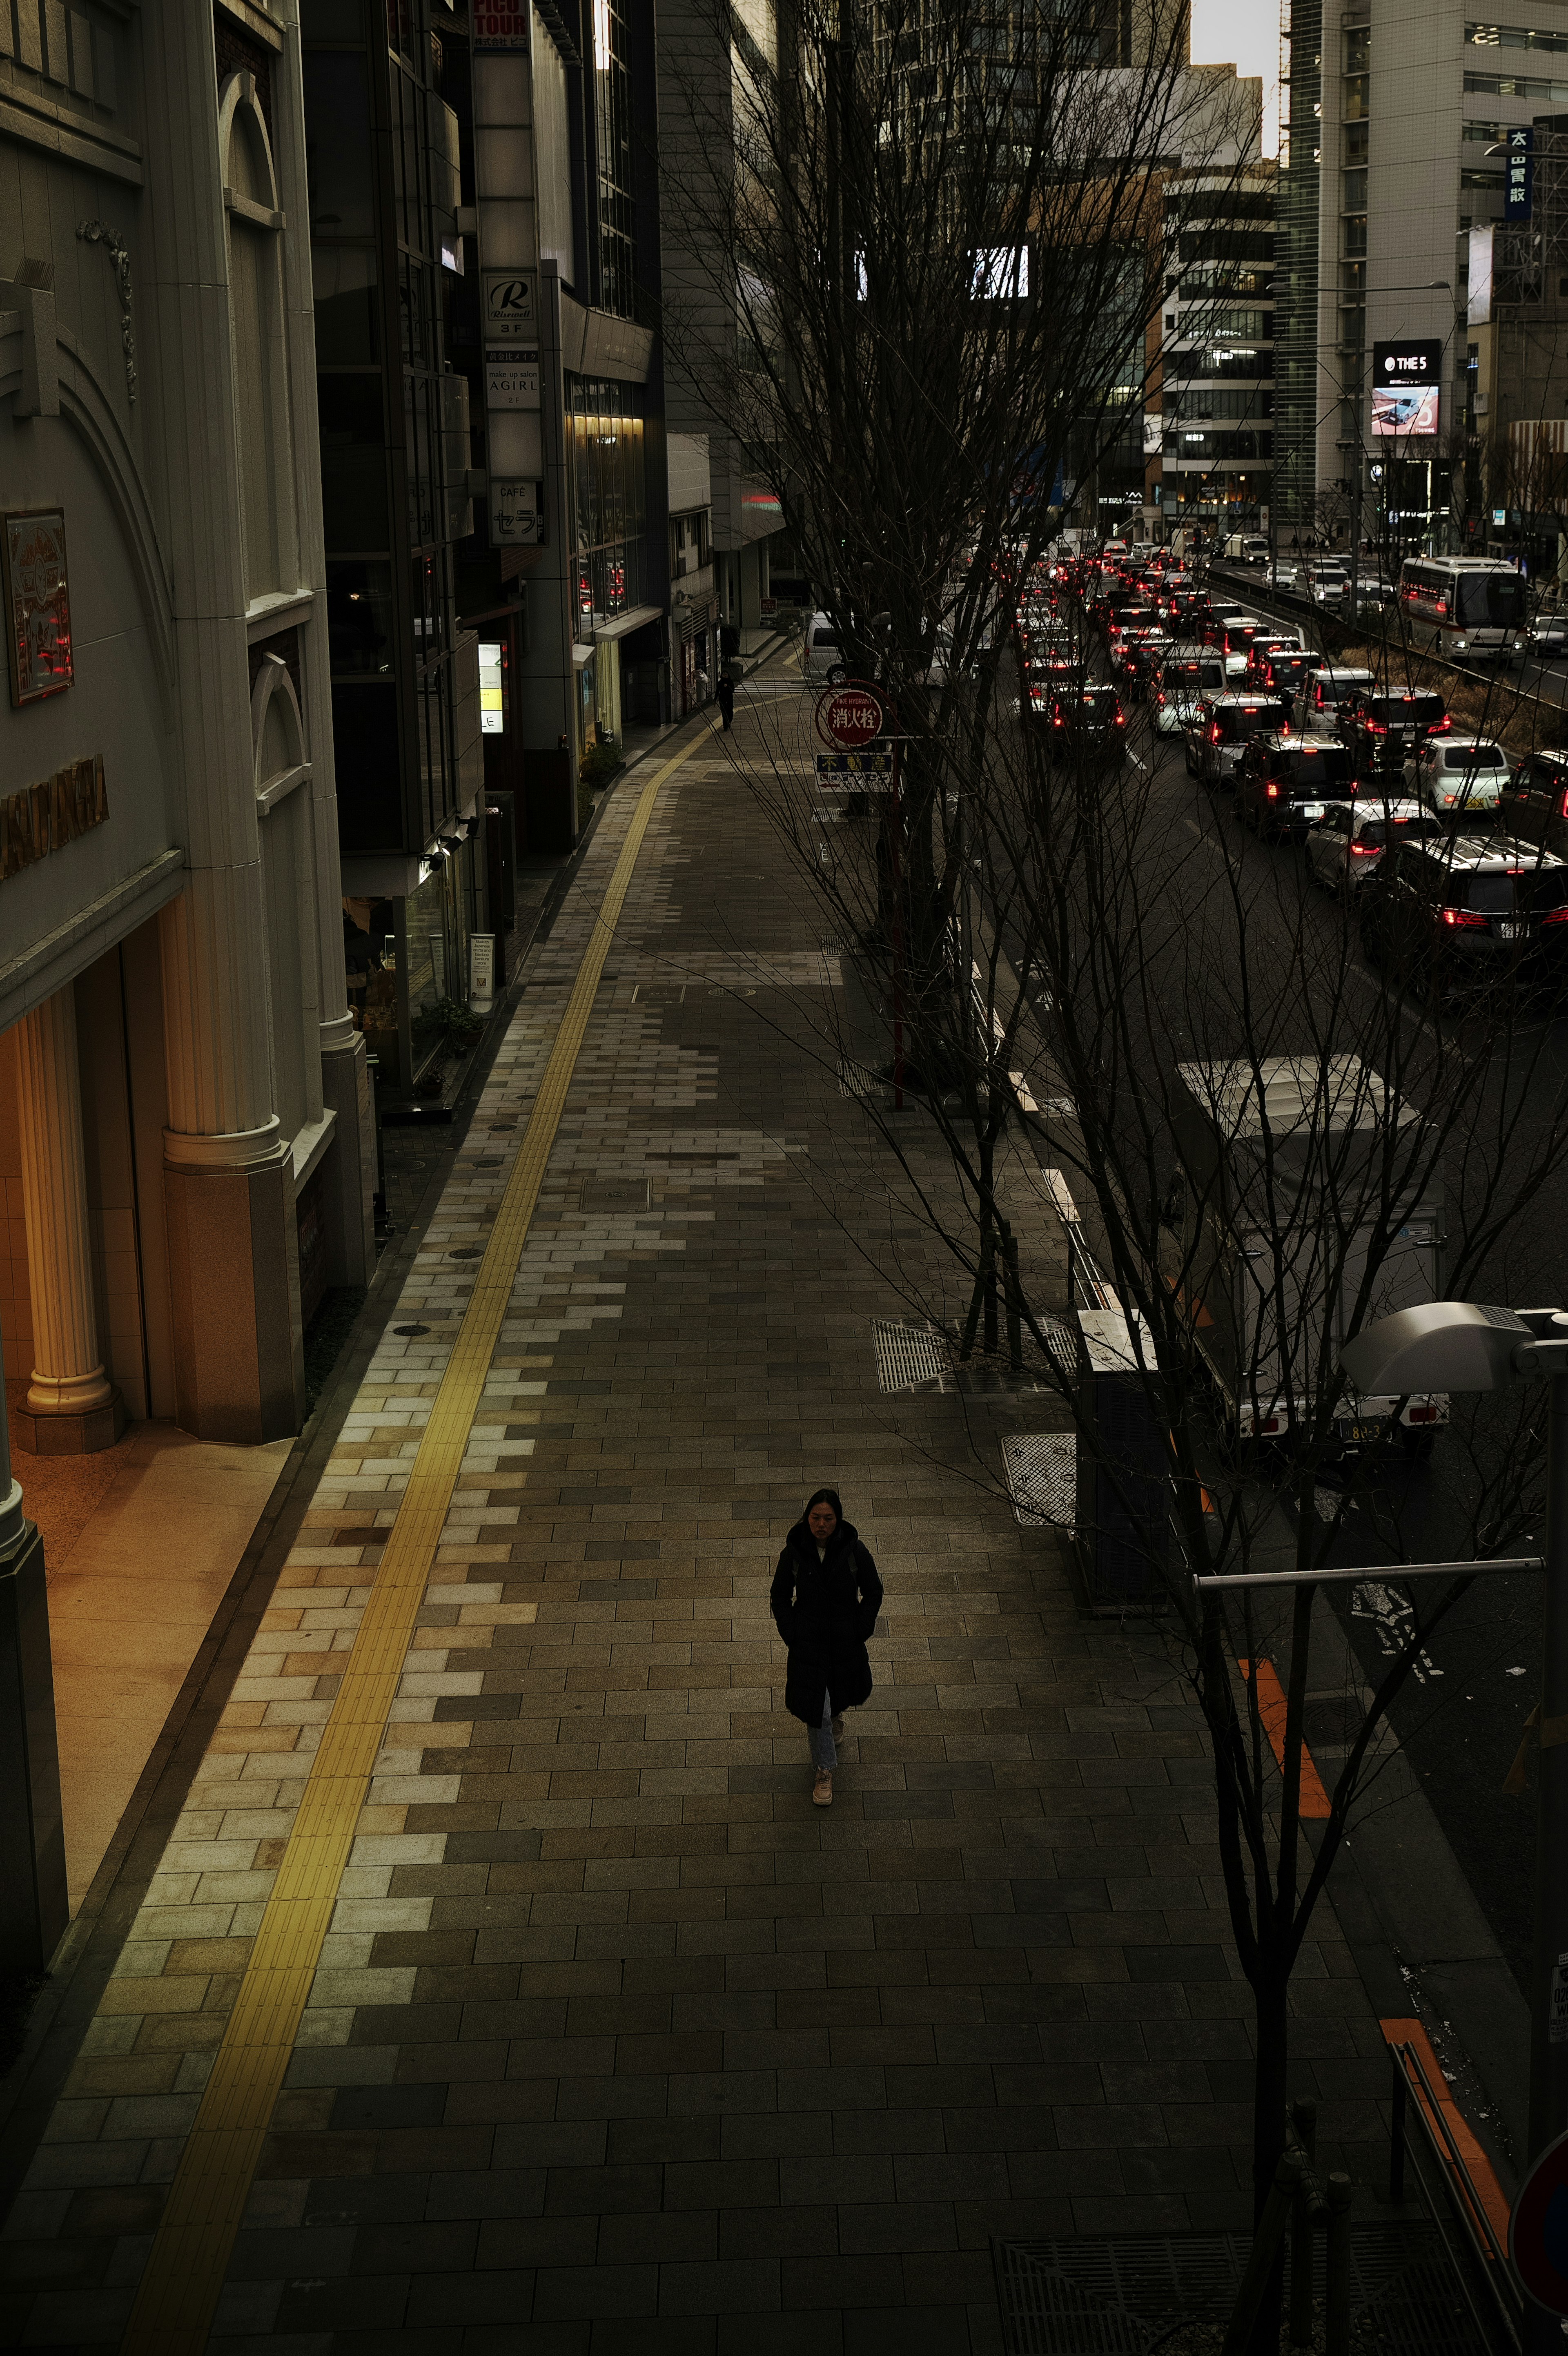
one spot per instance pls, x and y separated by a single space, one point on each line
1538 2231
850 717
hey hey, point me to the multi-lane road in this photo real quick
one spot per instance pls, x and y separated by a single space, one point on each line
1461 1717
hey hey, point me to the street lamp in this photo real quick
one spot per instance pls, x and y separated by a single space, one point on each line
1460 1345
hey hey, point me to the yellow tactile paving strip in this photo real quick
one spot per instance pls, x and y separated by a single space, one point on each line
190 2253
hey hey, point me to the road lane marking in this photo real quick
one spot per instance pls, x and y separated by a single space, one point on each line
189 2257
1273 1710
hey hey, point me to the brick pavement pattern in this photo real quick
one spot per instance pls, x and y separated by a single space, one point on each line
617 2043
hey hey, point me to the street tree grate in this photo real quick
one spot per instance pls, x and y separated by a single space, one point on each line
1093 2297
908 1356
859 1080
1041 1469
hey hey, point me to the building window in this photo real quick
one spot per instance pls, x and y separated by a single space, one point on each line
267 532
608 498
613 144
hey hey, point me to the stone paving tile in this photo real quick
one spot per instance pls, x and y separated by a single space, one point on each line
617 2043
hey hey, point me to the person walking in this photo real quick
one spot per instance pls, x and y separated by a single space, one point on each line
825 1599
727 697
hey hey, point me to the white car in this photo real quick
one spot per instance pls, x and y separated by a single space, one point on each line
1349 839
821 656
1325 583
1184 677
1457 773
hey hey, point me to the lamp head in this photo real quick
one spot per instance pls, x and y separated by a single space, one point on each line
1440 1345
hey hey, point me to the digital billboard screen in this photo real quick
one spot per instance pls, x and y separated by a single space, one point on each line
1406 381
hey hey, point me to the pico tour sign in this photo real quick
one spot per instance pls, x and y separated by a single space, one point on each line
1538 2230
850 717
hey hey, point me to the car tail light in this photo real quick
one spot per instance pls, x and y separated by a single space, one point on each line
1057 721
1555 916
1365 850
1121 720
1465 917
1423 1415
1272 792
1214 732
1270 1423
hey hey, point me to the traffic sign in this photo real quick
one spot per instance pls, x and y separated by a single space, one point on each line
877 761
1538 2230
850 716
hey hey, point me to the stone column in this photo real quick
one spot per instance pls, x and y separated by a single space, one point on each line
229 1173
72 1406
34 1906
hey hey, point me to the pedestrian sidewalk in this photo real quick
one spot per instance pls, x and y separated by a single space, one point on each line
615 2043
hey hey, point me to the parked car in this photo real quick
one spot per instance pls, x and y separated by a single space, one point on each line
1383 730
1285 783
1320 694
1457 773
1187 674
821 656
1467 908
1345 846
1224 728
1535 800
1089 722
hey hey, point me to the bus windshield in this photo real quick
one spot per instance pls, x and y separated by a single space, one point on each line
1494 600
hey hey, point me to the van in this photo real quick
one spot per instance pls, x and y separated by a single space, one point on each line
821 656
1246 548
1320 694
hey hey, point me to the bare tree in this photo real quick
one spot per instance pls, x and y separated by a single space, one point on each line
944 241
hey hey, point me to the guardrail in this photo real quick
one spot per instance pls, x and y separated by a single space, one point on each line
1498 2312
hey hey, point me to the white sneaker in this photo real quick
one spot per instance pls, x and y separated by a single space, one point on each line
822 1790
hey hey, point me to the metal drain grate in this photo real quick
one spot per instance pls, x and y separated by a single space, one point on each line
1088 2298
908 1356
615 1195
859 1080
1041 1469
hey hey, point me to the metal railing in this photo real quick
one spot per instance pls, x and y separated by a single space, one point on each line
1499 2307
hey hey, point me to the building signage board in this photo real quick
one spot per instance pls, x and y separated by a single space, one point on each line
44 817
850 717
511 309
512 380
1519 174
1406 381
37 604
515 513
1478 284
502 24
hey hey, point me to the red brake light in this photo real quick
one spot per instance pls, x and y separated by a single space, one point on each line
1555 916
1465 917
1214 732
1365 850
1273 791
1121 720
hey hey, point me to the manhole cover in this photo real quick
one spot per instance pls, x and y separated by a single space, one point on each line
615 1195
1041 1469
408 1332
1093 2298
467 1251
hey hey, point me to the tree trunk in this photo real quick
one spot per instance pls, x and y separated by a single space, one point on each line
1271 2018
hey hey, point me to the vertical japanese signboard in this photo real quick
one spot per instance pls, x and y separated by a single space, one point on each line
1519 174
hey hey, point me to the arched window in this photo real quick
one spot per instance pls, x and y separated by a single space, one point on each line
268 536
288 880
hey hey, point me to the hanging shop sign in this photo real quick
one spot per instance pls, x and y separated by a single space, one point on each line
44 817
515 516
512 380
511 308
502 24
37 604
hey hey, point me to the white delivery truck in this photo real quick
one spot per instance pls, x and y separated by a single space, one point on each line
1272 1162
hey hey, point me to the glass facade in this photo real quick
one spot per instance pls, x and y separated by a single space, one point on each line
607 492
613 146
1295 284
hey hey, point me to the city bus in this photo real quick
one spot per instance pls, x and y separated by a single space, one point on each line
1462 605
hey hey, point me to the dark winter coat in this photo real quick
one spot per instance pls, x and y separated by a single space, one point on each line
824 1611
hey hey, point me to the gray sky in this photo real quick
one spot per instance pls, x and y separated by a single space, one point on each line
1246 33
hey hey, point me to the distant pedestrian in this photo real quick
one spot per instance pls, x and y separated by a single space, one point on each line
704 688
825 1601
727 697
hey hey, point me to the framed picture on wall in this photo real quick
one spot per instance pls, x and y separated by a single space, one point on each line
38 604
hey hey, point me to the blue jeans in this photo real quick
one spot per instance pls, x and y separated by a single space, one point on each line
823 1751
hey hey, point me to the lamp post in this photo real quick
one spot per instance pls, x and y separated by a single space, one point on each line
1459 1346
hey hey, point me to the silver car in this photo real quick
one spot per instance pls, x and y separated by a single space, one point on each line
1348 843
